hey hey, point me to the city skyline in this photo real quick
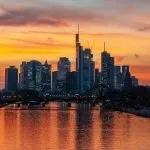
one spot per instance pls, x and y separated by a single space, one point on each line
36 76
36 35
86 55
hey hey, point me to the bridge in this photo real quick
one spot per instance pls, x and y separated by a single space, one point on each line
96 94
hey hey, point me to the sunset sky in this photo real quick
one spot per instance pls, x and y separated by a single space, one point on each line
45 30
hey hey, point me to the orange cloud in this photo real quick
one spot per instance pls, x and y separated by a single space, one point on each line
120 58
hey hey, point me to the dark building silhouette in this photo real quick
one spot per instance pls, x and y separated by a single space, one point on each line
35 76
54 81
88 70
46 77
112 72
97 76
92 74
117 77
79 63
85 67
31 76
64 66
23 75
107 68
71 82
126 77
125 69
11 79
134 81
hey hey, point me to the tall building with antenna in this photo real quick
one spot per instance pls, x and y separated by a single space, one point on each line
77 50
107 68
85 66
79 63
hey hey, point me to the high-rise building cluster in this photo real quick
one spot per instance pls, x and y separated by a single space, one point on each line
37 76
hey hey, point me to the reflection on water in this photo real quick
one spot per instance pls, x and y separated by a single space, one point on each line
107 129
77 128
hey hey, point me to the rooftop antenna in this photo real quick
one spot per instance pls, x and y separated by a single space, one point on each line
77 35
78 29
104 47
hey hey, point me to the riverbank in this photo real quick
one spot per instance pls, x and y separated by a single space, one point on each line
143 112
138 111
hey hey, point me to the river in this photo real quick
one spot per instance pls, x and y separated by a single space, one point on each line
79 127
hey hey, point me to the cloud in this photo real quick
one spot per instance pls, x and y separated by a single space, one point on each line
46 32
144 28
133 14
14 16
137 56
114 13
50 43
56 15
120 58
30 42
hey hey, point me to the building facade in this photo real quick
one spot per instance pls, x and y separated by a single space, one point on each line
54 81
97 77
64 66
71 82
85 67
35 76
117 77
46 77
11 79
134 81
79 63
107 69
88 70
126 77
23 75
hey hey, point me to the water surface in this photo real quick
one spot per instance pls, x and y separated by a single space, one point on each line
77 128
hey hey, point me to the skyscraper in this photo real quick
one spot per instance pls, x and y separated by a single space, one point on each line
77 43
125 69
46 77
88 70
54 81
79 63
126 77
97 77
111 65
64 66
71 82
107 68
34 75
92 74
11 79
85 66
23 76
117 77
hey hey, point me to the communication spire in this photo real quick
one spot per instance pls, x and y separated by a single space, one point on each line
77 34
104 47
